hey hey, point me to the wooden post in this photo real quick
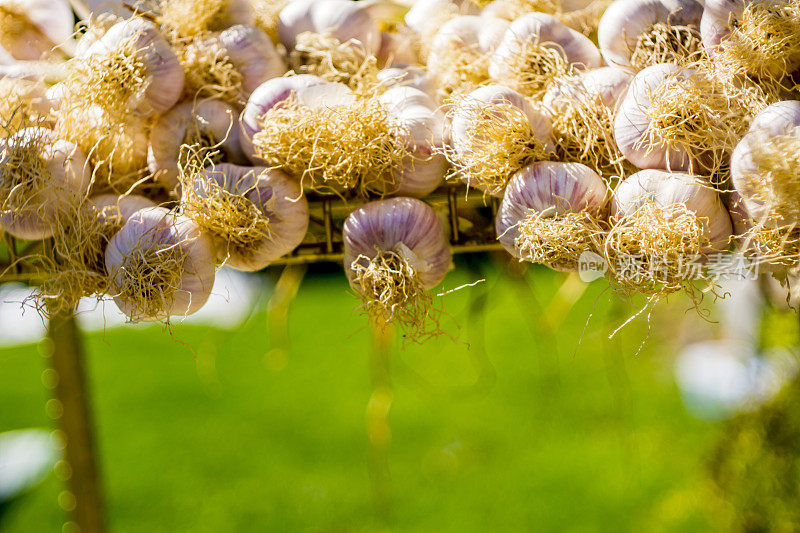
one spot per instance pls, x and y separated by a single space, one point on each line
70 409
379 433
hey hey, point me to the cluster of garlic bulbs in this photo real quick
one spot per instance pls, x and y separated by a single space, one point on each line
156 145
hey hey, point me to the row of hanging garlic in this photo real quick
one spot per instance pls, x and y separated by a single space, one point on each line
613 134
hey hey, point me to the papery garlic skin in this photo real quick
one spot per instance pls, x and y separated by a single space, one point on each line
264 98
253 55
52 22
625 20
423 125
631 122
209 120
156 228
404 225
66 179
547 187
666 189
779 119
164 73
276 195
343 19
608 84
548 31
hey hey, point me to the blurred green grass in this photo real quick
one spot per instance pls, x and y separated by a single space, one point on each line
520 432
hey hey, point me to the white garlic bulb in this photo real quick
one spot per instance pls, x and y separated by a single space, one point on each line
206 128
31 29
342 19
41 177
255 215
626 21
160 265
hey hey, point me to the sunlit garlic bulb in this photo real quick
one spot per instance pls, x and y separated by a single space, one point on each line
187 18
552 213
230 65
494 133
160 265
663 223
536 49
32 29
765 165
96 27
641 33
131 69
41 177
422 126
205 131
426 16
395 251
255 215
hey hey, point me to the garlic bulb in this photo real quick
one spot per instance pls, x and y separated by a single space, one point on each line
41 177
494 133
264 98
765 165
408 76
193 133
458 54
343 20
31 29
664 223
96 27
188 18
160 265
551 214
422 126
535 49
254 214
230 65
641 33
426 16
131 68
395 251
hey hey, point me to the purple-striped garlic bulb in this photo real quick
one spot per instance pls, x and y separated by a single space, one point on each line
754 38
41 178
255 215
422 127
765 165
160 265
34 29
536 49
641 33
395 251
458 56
188 18
552 213
582 111
229 65
679 119
495 132
131 69
265 97
663 224
193 133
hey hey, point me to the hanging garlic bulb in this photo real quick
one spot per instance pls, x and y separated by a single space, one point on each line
754 38
255 215
187 18
131 69
422 127
160 265
552 213
31 29
582 109
679 119
641 33
494 133
765 165
536 49
663 223
395 251
41 176
24 102
230 65
205 130
458 57
264 98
